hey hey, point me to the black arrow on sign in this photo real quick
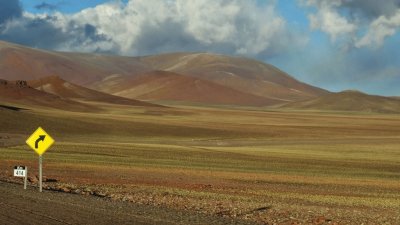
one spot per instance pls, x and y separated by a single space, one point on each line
41 138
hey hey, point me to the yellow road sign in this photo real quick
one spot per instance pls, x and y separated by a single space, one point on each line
40 141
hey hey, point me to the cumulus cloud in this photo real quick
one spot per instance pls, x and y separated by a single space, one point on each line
379 29
350 19
330 21
43 31
140 27
145 26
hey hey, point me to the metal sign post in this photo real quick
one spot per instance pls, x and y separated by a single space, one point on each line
40 173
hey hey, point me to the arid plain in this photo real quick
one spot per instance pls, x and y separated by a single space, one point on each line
265 166
218 136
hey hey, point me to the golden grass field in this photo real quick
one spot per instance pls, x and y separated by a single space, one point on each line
271 167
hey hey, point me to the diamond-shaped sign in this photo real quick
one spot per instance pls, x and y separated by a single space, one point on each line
40 141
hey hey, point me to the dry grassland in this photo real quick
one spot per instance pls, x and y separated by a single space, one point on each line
280 167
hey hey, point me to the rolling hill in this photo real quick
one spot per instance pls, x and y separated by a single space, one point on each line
180 77
57 86
170 86
349 101
243 74
18 62
18 93
246 77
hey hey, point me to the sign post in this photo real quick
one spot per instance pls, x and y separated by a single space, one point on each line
40 173
40 141
21 171
26 178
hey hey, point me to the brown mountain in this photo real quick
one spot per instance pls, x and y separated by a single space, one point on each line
23 63
57 86
248 77
349 101
19 93
164 85
243 74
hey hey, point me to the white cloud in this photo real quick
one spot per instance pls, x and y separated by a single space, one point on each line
379 29
110 20
150 26
348 19
329 20
215 22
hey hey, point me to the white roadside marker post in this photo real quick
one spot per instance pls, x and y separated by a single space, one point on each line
26 178
21 171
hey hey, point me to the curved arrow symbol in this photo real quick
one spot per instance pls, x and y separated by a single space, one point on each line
41 138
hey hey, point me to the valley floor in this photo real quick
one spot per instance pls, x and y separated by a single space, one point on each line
268 167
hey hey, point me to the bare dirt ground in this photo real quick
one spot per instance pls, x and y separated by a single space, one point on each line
18 206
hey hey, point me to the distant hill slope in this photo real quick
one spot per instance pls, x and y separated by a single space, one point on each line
57 86
247 76
18 92
243 74
349 101
18 62
163 85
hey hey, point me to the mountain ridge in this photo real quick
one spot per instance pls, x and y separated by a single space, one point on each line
247 76
184 77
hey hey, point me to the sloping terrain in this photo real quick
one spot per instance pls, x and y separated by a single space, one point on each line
23 63
163 85
245 75
95 71
57 86
350 101
184 77
18 92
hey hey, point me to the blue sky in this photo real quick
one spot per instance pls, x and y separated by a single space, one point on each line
337 45
65 6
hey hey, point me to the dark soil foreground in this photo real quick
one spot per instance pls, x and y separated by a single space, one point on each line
18 206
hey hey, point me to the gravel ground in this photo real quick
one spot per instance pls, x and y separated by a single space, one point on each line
18 206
